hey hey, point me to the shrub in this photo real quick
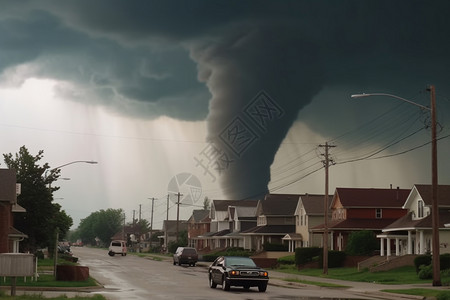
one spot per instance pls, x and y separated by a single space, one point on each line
444 261
228 252
304 255
286 260
426 272
422 260
361 242
275 247
335 259
443 296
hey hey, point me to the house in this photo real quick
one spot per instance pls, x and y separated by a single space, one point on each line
412 234
9 189
275 218
309 214
170 231
197 225
240 218
221 236
355 209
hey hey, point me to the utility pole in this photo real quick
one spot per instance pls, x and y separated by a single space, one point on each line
434 192
178 211
151 221
325 207
167 225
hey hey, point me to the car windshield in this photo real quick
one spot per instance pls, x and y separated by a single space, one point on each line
239 261
189 251
116 244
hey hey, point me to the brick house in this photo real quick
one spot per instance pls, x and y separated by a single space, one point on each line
197 225
9 236
354 209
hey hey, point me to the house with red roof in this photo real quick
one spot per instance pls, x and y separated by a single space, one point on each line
354 209
412 234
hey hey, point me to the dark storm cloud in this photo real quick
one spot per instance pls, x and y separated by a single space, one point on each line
157 56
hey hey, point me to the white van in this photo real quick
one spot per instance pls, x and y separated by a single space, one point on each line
118 247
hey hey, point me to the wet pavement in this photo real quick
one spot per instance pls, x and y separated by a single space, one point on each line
364 289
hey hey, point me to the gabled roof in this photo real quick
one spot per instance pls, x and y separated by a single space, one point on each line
278 205
407 223
244 212
314 204
425 193
371 197
199 216
222 205
14 233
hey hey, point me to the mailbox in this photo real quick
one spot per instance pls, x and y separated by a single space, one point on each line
17 264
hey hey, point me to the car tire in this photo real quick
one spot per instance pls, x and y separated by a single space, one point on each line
225 284
193 264
174 263
111 253
246 287
212 284
262 287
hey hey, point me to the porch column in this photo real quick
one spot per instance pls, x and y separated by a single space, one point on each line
397 247
388 241
409 242
381 246
421 242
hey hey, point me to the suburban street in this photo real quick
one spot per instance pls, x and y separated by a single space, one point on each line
133 277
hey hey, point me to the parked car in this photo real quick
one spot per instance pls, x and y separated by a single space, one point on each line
117 247
185 255
237 271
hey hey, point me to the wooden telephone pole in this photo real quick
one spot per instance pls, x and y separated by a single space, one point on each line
325 207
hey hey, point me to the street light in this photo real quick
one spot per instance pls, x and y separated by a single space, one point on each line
434 176
70 163
55 255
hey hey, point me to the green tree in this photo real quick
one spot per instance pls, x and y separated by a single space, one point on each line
206 203
361 242
42 217
103 224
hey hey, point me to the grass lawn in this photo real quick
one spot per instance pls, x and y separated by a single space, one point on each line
403 275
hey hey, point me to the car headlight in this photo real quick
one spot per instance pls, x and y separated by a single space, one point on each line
234 273
263 273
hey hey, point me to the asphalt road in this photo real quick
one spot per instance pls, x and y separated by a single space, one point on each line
133 277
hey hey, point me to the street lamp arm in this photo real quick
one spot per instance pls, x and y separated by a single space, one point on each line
77 161
389 95
72 162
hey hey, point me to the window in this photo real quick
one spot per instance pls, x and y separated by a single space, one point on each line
378 213
420 209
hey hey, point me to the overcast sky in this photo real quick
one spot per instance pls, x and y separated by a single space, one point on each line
225 99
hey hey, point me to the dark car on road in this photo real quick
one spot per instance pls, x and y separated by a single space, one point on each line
185 255
237 271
